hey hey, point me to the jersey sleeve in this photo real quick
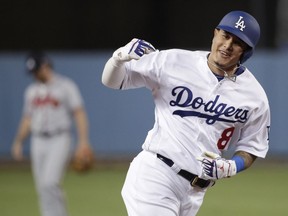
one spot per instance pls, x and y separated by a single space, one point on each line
255 134
145 72
74 98
27 108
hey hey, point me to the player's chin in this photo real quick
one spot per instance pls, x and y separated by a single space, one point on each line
224 59
222 63
226 62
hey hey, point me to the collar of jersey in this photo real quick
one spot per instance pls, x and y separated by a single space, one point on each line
239 71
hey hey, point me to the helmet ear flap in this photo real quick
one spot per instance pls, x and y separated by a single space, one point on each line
246 55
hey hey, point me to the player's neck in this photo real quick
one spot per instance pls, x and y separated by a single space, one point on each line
45 76
218 70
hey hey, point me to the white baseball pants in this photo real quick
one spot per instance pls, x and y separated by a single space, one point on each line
152 188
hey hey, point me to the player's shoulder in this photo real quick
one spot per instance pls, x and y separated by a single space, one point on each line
249 78
63 79
177 51
251 83
30 88
183 53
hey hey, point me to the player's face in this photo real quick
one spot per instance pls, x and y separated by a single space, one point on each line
226 49
43 74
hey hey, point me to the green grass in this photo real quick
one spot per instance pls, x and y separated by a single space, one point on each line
88 194
96 193
261 190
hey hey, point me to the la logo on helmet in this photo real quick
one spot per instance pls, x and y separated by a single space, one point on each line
240 23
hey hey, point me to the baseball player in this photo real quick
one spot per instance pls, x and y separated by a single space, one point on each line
50 103
205 103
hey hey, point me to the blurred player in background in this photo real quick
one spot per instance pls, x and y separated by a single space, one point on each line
51 103
205 102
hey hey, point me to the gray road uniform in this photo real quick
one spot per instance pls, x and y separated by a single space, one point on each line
50 107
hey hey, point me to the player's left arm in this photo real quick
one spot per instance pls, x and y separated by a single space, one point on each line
215 167
248 159
82 130
83 159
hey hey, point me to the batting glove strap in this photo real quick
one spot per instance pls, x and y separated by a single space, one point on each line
135 49
215 167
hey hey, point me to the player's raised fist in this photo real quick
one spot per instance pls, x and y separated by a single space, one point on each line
135 49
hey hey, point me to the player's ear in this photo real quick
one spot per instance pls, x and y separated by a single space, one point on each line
215 31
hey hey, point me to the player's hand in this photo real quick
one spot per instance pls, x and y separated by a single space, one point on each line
135 49
214 167
83 159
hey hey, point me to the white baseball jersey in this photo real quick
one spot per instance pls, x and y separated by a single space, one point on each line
194 112
50 105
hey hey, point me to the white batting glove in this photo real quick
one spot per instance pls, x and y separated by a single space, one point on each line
214 167
135 49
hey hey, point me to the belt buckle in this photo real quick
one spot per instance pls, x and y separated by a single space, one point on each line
209 183
194 182
46 134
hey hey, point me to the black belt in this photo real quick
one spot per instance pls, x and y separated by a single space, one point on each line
192 178
45 134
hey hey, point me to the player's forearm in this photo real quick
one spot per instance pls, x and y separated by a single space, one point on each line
113 73
247 158
24 130
81 125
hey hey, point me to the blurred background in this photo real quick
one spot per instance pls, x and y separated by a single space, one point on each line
80 36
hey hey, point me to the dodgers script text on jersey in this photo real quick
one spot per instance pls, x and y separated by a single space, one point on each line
184 98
